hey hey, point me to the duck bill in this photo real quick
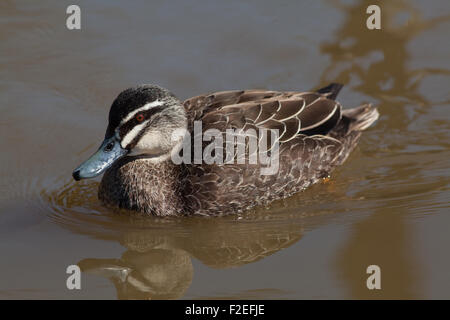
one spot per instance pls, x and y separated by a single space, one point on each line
109 152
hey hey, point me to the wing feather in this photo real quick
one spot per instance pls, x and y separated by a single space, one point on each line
293 113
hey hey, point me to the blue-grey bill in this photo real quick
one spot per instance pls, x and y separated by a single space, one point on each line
109 152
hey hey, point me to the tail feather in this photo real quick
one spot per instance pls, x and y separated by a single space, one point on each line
360 118
331 91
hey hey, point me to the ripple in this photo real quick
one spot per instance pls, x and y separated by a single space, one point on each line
75 205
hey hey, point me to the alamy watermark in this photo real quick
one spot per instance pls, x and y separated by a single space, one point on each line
73 21
234 146
73 281
374 280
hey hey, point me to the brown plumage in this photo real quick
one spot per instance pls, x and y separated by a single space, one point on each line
315 136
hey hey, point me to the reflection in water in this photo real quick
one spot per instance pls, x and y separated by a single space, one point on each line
387 76
370 243
152 274
157 263
377 61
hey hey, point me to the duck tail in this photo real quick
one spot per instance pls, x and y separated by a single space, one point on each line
331 91
360 118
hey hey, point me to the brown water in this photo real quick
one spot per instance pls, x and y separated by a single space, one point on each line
388 205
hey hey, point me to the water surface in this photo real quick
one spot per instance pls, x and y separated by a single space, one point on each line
388 205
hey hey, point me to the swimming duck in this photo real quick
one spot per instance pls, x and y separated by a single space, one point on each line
149 127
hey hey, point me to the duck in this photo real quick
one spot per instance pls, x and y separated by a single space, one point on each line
304 134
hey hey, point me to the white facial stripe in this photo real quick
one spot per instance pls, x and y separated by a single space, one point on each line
148 106
132 134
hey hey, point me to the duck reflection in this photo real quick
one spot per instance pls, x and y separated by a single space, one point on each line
157 264
154 274
158 260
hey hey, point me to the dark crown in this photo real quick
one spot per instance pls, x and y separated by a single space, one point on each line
134 98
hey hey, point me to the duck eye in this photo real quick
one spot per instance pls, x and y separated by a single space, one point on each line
140 117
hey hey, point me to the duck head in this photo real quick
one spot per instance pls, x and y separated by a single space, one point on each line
143 121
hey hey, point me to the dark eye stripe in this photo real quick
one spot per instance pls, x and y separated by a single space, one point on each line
130 124
138 137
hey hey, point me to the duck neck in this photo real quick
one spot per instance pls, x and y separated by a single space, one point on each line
142 185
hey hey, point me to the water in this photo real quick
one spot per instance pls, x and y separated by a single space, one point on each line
388 205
